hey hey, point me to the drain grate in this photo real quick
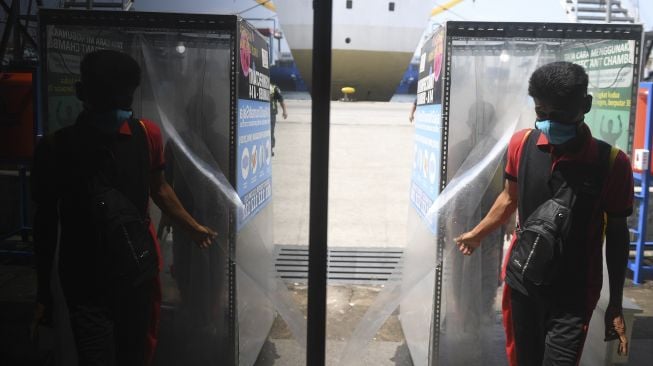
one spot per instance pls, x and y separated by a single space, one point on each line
346 265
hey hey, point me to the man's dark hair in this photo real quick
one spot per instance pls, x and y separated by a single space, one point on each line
563 84
109 72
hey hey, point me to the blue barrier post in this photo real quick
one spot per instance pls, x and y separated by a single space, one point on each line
637 265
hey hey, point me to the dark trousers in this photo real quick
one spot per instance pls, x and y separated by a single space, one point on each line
113 329
273 122
547 330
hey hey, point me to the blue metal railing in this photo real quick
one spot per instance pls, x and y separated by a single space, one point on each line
637 264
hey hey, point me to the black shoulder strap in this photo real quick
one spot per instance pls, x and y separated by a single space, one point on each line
527 143
605 158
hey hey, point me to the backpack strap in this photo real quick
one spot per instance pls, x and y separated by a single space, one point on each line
147 141
523 140
606 156
524 145
613 156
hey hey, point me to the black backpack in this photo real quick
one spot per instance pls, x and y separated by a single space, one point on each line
540 239
535 258
131 255
126 250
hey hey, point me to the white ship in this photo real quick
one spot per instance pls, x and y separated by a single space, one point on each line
373 41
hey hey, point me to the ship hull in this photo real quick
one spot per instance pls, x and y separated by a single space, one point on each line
375 81
372 46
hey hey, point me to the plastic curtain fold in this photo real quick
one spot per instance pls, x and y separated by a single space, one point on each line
489 102
186 89
191 102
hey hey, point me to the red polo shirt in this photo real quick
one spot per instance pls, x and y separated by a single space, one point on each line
154 142
616 199
617 193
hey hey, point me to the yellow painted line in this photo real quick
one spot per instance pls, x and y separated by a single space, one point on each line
268 4
444 7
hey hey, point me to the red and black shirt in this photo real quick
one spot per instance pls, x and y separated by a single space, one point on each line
582 265
62 163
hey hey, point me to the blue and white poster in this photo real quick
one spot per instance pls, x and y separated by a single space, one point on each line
425 178
254 157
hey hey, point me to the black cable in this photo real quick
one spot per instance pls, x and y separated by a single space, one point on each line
616 78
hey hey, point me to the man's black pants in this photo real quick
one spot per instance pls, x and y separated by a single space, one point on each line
113 330
548 330
273 122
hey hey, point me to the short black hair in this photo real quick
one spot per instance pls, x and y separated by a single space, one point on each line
109 70
563 84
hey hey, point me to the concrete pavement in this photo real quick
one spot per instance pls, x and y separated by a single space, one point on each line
371 144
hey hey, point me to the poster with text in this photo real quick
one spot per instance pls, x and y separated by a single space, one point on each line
609 65
253 138
425 177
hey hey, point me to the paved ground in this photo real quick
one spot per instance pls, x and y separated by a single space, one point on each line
368 175
368 185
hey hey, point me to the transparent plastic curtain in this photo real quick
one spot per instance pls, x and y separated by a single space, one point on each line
186 90
191 99
489 102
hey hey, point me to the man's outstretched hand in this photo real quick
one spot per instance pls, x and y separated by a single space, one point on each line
467 243
615 328
203 236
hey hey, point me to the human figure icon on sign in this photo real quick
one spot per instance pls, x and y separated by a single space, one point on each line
610 136
254 159
244 163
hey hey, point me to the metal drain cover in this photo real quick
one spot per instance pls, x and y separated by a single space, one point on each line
346 265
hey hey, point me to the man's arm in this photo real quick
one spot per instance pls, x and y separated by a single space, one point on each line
616 255
283 109
164 197
411 116
617 243
504 206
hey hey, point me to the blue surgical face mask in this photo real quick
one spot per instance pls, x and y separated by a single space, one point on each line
557 133
111 120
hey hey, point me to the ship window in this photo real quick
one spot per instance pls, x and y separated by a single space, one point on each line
349 4
347 40
391 6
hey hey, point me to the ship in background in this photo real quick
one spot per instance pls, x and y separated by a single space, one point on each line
373 42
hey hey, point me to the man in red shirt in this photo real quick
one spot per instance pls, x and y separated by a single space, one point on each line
547 324
114 322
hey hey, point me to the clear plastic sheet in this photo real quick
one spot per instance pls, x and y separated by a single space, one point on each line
489 102
200 154
186 89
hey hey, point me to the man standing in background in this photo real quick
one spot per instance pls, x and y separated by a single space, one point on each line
276 97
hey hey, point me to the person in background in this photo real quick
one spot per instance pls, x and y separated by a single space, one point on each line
276 98
411 116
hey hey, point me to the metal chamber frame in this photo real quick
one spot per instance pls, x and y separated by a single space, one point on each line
466 174
454 31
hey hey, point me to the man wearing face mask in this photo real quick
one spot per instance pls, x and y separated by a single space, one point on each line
546 323
114 318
